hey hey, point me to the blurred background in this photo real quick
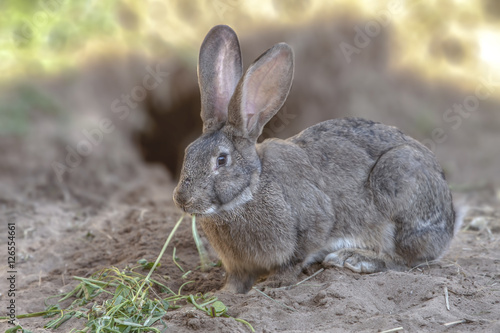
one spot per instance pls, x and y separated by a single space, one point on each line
89 89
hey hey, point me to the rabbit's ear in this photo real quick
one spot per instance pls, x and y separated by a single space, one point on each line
219 70
261 91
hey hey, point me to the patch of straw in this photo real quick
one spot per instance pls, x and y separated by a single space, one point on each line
396 329
446 298
453 323
300 282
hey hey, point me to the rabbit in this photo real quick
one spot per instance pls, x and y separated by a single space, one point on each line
348 193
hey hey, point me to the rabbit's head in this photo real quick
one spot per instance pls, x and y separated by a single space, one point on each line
222 166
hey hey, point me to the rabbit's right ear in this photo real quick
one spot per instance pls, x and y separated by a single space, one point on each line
219 70
262 91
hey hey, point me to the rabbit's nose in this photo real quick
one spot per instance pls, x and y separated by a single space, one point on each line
178 198
181 199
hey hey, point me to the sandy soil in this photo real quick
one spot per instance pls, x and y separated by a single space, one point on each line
114 209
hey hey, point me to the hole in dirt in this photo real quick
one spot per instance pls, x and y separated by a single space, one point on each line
173 121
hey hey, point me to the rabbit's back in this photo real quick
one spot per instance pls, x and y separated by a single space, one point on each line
350 147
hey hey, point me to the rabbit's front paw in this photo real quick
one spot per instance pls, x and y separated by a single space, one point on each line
357 260
238 284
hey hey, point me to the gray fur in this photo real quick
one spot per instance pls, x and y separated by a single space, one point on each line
346 192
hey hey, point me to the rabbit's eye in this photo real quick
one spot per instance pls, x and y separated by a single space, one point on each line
221 160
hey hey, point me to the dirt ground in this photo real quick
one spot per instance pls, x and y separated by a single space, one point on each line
114 208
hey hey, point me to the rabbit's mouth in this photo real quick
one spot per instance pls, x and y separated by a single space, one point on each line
193 204
191 208
186 206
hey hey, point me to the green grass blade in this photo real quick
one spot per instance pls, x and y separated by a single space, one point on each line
174 259
160 255
199 245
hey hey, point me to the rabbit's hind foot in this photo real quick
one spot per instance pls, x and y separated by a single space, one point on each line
359 260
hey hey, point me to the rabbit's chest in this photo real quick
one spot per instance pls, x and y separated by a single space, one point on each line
252 237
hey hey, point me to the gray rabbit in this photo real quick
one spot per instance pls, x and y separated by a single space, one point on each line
346 192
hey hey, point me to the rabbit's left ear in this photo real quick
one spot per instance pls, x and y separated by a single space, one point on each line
261 92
